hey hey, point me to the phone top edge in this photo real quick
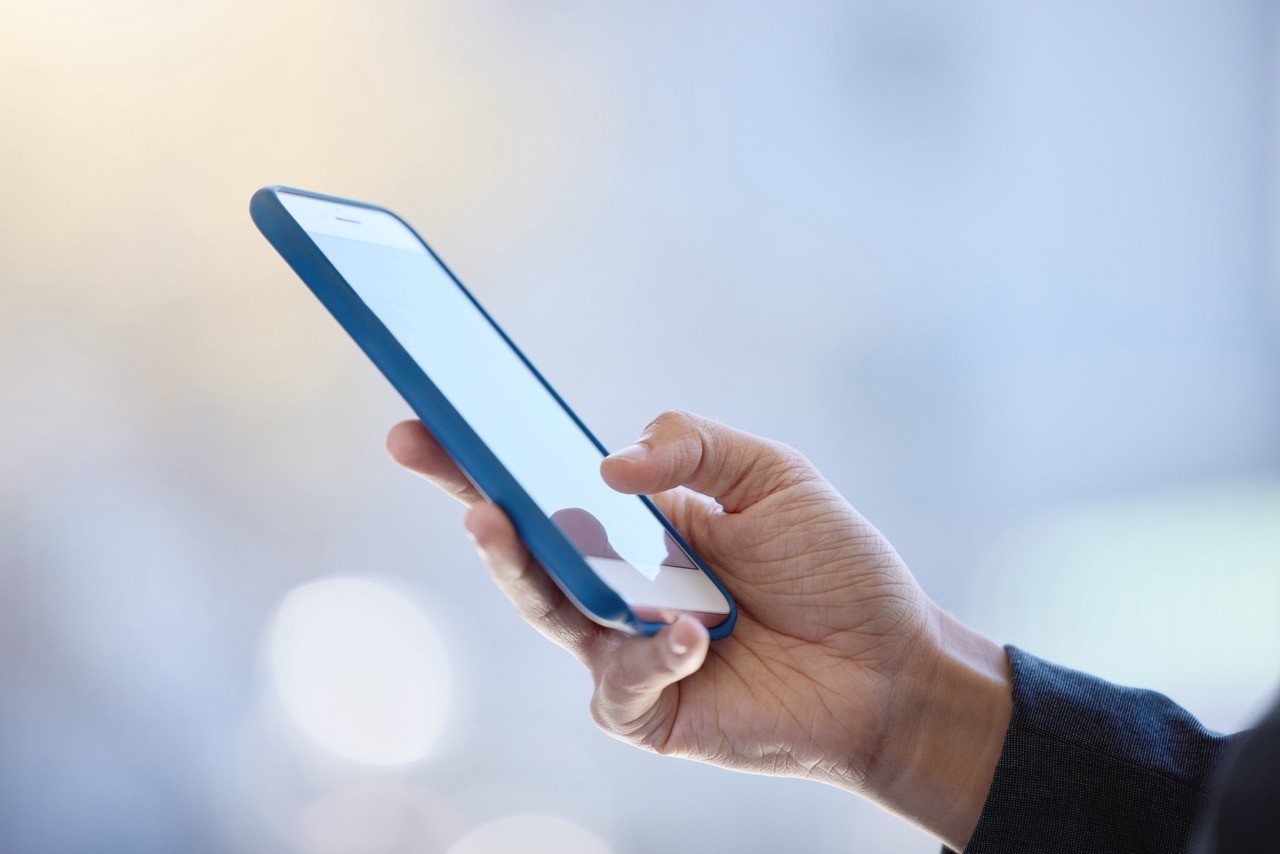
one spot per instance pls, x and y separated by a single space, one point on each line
267 211
299 250
276 189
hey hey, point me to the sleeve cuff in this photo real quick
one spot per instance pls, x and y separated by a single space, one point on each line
1091 766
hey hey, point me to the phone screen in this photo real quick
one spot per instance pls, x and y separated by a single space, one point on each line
505 403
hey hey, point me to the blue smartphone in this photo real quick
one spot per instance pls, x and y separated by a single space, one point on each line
614 555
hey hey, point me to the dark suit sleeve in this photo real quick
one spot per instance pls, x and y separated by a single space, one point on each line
1088 766
1244 815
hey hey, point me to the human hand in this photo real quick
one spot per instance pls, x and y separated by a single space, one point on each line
839 669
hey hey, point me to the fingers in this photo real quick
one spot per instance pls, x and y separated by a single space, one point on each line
629 701
518 575
631 672
680 449
525 583
410 445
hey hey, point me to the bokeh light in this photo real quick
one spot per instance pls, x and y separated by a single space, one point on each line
380 817
360 670
530 834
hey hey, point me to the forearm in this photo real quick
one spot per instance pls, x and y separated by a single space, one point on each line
997 751
950 711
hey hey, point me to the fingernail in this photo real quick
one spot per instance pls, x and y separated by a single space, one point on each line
677 646
631 453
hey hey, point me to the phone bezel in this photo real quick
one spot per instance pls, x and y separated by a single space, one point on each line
564 563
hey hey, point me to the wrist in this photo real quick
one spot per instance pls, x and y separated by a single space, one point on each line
949 710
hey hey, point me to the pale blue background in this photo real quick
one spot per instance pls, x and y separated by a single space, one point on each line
1006 272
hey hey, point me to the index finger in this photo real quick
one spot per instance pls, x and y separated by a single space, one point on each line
411 445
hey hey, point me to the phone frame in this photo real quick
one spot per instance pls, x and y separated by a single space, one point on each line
562 560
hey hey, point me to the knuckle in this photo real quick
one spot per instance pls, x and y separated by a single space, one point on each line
678 422
605 717
531 608
599 716
451 486
509 577
786 459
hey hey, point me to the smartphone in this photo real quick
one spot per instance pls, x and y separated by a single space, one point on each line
615 556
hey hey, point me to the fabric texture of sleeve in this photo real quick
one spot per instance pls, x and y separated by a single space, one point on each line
1088 766
1244 817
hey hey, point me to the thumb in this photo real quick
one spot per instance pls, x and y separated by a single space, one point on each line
680 449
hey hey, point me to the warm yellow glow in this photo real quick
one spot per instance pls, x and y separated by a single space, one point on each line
134 134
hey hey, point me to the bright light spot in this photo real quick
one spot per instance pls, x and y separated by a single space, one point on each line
384 817
530 834
360 671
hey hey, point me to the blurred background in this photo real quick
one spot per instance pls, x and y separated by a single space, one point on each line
1008 273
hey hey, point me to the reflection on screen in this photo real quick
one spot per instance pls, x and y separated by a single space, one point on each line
484 379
